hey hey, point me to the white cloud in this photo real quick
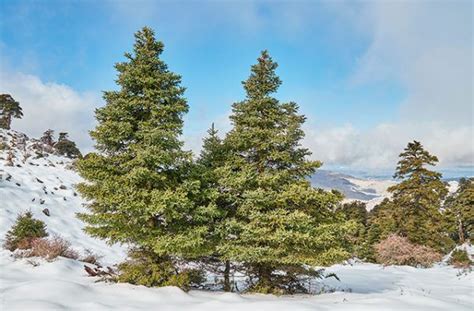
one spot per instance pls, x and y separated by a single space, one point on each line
379 147
51 105
427 46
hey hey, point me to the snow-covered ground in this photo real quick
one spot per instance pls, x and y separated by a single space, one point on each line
34 284
63 285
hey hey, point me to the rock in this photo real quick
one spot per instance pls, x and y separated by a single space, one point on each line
39 180
8 177
18 184
46 212
63 187
64 198
32 200
42 201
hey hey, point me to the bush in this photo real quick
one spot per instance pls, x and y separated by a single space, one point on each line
24 231
91 258
460 259
145 268
52 248
397 250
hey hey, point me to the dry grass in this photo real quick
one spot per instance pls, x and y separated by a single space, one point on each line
51 248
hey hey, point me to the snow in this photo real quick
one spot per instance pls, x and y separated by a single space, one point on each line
63 285
34 284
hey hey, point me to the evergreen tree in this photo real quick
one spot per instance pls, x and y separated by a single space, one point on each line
356 211
66 147
415 208
138 180
25 230
48 137
212 153
213 156
460 211
9 108
275 220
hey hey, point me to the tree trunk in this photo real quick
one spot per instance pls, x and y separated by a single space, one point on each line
227 287
8 121
265 275
461 231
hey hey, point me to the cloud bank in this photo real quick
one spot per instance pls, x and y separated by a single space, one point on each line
427 47
51 105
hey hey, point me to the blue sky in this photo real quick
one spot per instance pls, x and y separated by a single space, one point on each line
357 69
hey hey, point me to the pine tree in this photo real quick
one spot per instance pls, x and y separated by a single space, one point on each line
415 208
356 211
275 220
459 208
138 180
9 108
213 156
48 137
64 146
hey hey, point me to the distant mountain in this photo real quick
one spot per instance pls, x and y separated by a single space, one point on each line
372 191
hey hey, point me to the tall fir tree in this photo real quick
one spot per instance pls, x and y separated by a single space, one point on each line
9 108
459 211
276 221
138 180
414 210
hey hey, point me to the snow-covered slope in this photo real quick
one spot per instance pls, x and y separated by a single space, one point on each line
35 183
47 182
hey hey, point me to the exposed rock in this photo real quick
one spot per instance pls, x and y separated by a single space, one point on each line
46 212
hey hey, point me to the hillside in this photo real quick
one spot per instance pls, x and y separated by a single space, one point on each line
32 178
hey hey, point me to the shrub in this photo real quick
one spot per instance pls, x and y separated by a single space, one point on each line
24 231
91 258
148 269
460 259
52 248
397 250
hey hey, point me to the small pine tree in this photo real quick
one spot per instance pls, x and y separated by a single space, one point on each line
66 147
24 231
48 137
212 156
9 108
459 208
275 220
